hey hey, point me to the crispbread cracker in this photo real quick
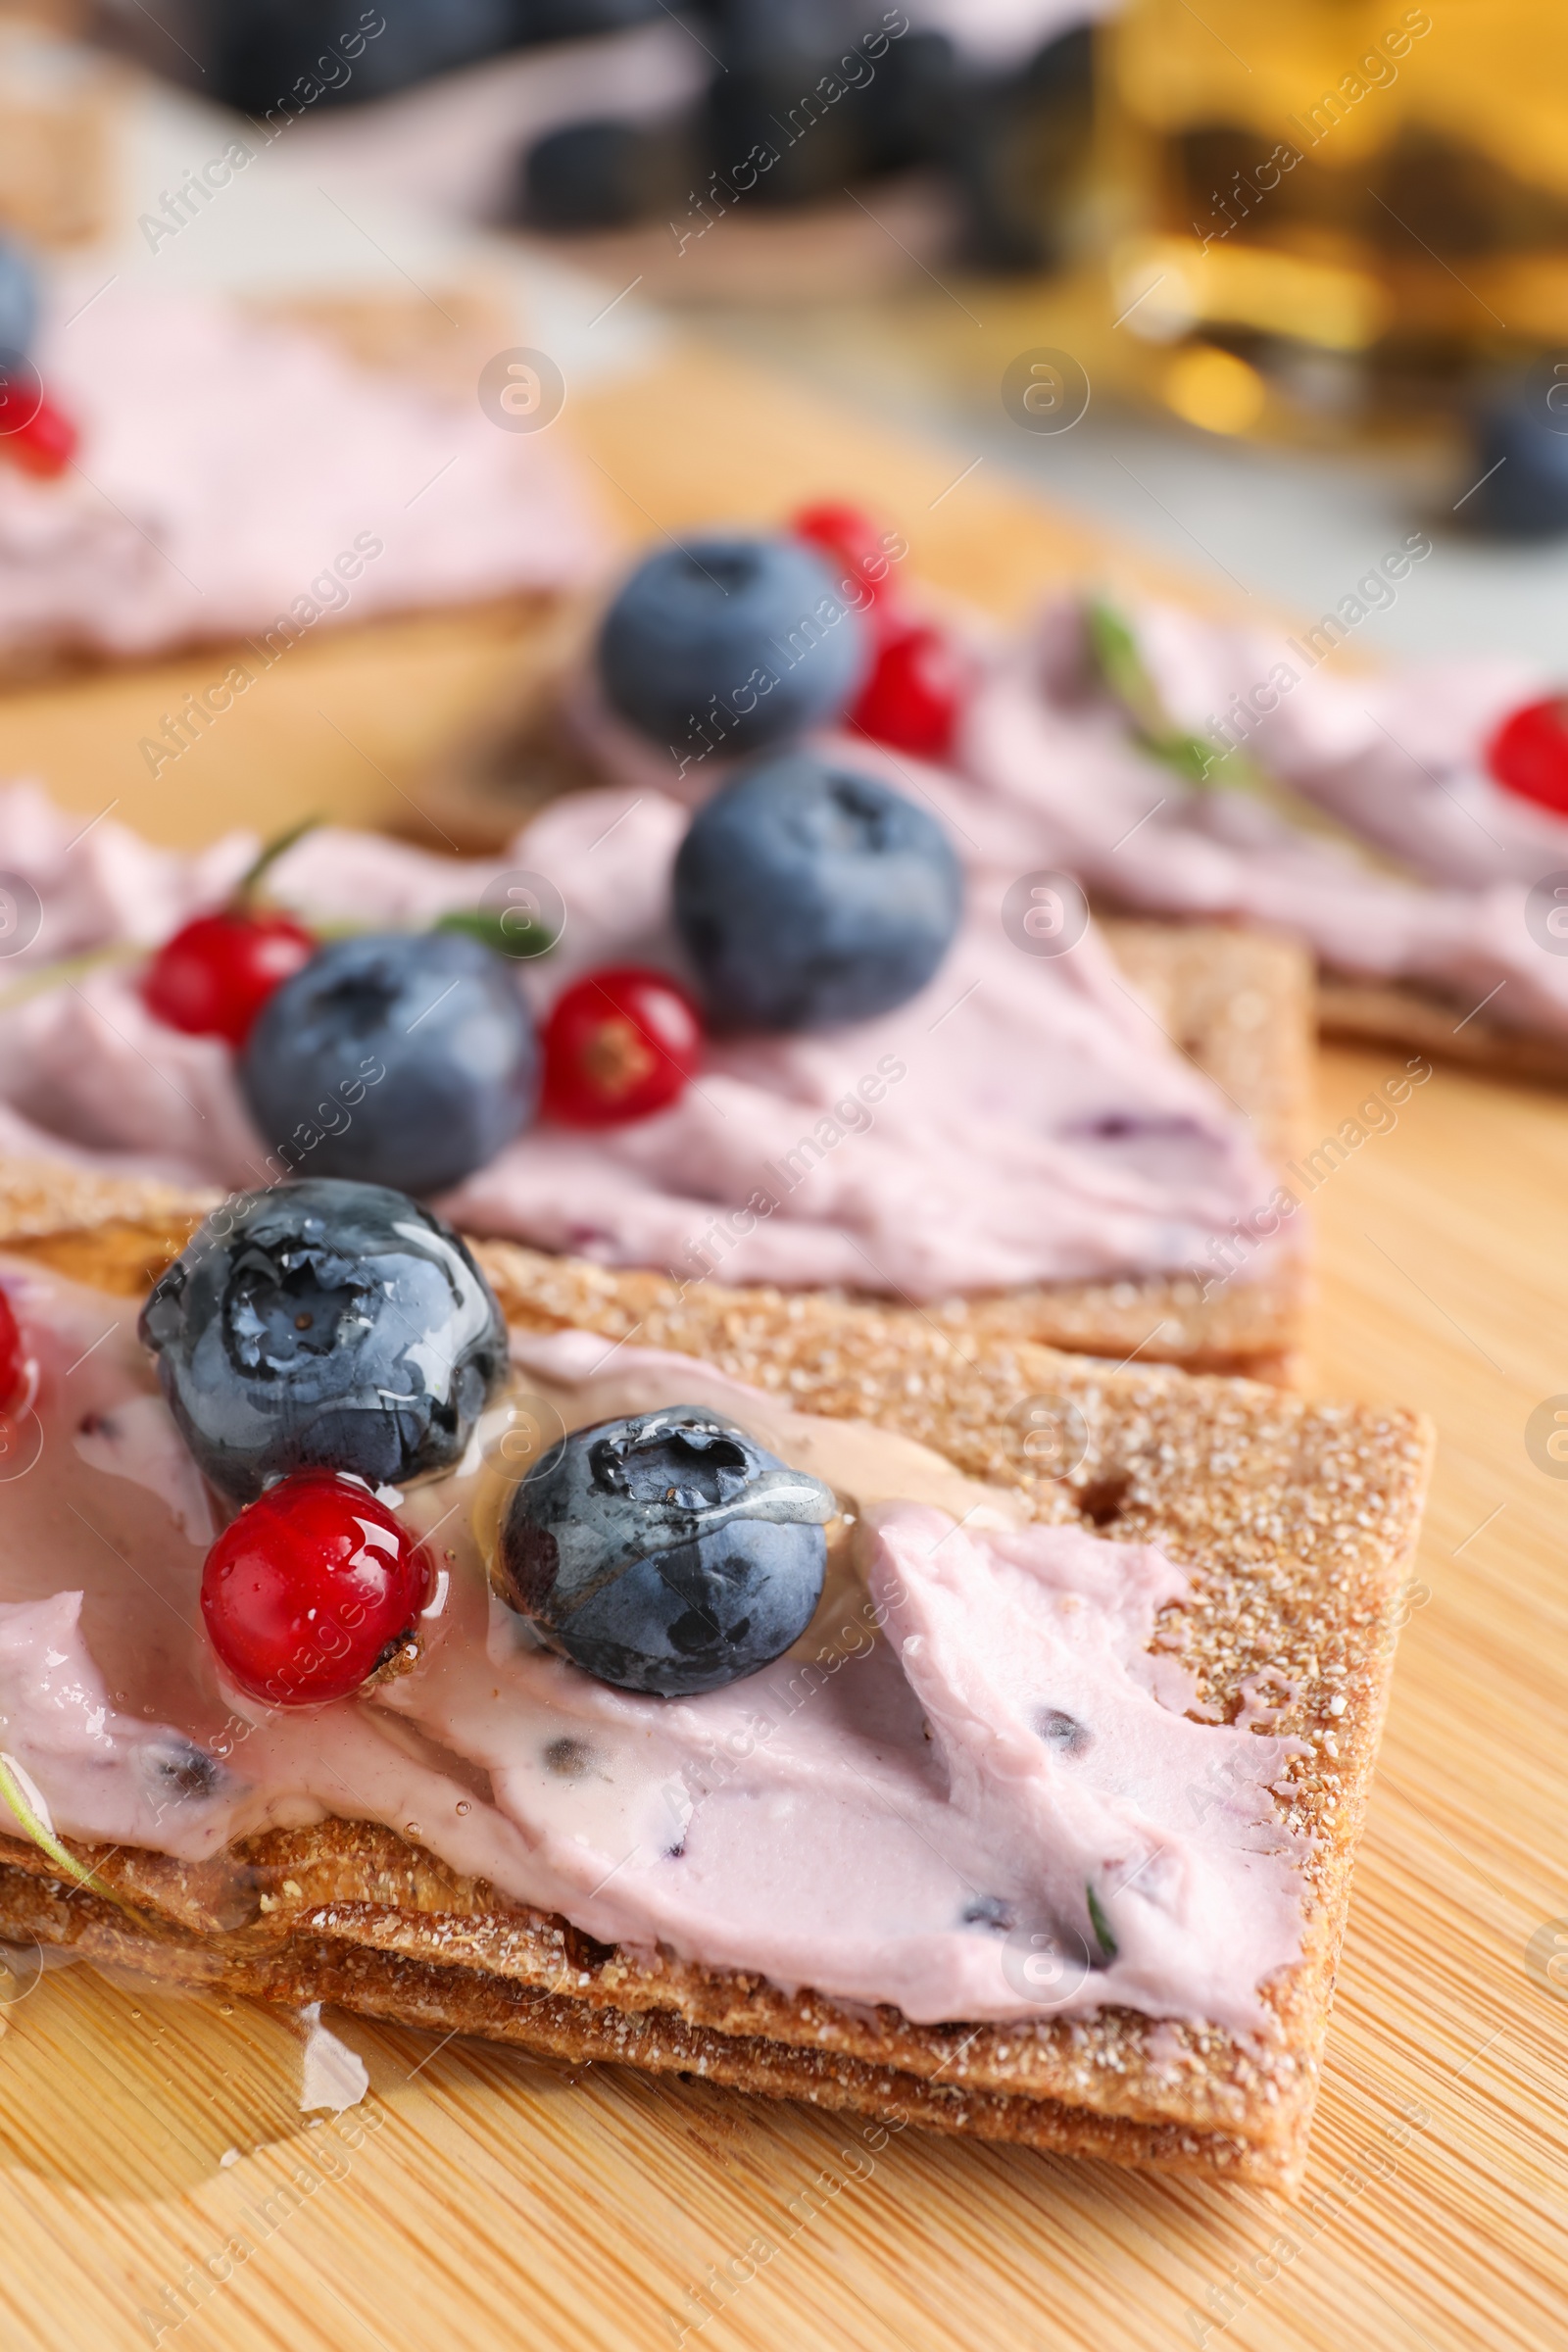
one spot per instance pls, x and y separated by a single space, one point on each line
1236 1003
440 345
1296 1522
1392 1013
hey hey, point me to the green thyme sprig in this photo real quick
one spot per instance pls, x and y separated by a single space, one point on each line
506 934
1100 1925
24 1800
1120 663
1120 666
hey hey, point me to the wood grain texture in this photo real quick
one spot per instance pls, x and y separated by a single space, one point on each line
487 2201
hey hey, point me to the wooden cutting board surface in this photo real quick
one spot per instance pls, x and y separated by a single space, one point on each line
160 2184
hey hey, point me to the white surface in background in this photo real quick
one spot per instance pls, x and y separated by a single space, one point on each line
298 222
1293 529
999 33
1298 531
454 143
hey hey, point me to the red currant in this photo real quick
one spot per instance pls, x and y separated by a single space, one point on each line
619 1045
310 1588
42 443
856 549
215 976
14 1367
1529 753
914 695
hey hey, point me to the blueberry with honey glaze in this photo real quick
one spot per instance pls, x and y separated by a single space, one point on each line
667 1553
325 1326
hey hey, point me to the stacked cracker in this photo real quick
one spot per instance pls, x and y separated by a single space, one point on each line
1295 1520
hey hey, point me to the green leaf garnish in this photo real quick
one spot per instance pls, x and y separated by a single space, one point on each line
1194 758
1120 664
1100 1925
26 1803
505 934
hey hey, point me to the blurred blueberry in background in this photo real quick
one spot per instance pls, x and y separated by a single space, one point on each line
1520 456
18 299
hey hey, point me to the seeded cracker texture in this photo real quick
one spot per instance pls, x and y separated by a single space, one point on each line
1296 1521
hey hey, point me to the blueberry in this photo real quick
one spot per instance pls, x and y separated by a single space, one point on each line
988 1911
274 58
731 644
808 896
597 174
582 20
326 1326
182 1771
752 112
403 1057
667 1553
18 302
1063 1731
1520 460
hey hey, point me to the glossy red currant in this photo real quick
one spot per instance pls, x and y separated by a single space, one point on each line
914 693
1529 753
215 976
16 1372
856 550
310 1589
620 1044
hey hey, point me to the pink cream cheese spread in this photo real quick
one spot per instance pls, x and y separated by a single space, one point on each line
985 1721
1023 1119
234 474
1431 887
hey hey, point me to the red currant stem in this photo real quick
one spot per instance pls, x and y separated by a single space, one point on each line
243 895
26 1802
55 976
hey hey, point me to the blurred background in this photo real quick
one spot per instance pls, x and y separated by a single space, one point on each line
1264 288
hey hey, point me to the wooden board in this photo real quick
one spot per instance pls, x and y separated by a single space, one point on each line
161 2187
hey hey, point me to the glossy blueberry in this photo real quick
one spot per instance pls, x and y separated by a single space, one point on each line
403 1057
727 645
18 302
667 1553
808 896
329 1326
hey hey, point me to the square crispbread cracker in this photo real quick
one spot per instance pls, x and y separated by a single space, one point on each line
1296 1522
1397 1013
1238 1004
439 346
